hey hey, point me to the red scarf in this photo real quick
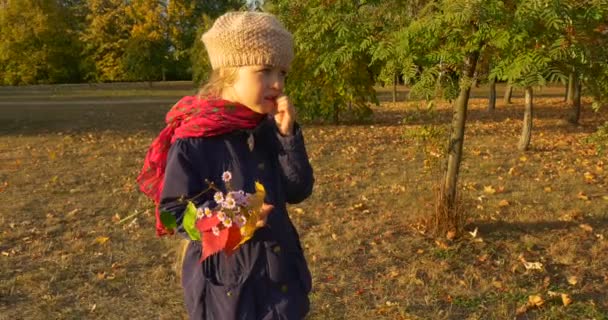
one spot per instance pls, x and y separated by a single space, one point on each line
188 118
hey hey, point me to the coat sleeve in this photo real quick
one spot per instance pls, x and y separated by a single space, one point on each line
295 167
183 180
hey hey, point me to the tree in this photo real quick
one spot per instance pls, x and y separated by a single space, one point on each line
105 39
37 43
331 72
145 55
205 12
446 41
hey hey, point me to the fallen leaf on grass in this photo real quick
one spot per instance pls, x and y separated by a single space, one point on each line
533 265
586 227
489 190
102 240
565 298
582 196
451 235
536 300
441 244
503 203
589 177
474 233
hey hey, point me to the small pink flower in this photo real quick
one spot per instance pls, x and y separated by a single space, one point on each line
216 231
241 220
200 212
227 222
226 176
208 213
229 203
221 216
218 197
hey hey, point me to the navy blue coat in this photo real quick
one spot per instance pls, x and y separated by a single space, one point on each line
267 278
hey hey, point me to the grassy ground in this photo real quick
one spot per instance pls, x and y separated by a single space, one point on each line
68 175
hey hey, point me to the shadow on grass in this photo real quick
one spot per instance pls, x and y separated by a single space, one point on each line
136 116
82 118
502 229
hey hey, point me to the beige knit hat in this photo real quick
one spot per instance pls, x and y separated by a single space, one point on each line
248 38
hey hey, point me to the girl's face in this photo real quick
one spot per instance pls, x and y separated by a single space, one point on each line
257 87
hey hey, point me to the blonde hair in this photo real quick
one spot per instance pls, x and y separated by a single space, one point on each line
219 80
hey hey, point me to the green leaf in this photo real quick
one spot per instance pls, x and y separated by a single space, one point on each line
168 220
190 221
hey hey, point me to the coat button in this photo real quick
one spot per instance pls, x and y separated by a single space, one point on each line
276 249
284 288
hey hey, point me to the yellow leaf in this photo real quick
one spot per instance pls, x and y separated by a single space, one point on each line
102 239
572 280
566 300
536 300
582 196
489 190
474 232
533 265
589 177
586 227
451 235
523 159
548 189
255 203
441 244
503 203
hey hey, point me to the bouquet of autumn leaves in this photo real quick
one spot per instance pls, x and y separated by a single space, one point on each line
226 226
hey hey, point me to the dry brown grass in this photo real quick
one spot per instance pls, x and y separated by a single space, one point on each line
67 170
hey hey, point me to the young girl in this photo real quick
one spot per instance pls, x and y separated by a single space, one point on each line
243 123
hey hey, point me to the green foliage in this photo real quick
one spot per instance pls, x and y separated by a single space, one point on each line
331 74
168 220
36 45
189 222
599 139
105 39
187 21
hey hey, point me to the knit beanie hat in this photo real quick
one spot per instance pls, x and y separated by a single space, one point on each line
248 38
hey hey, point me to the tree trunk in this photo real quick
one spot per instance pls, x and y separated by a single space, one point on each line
526 133
570 88
492 102
575 105
457 135
336 114
508 94
395 88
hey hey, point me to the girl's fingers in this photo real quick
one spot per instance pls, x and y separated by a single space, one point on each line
266 209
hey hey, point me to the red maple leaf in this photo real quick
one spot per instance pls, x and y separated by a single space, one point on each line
205 224
234 238
213 243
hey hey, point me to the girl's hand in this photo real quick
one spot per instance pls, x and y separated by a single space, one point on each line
285 115
266 209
